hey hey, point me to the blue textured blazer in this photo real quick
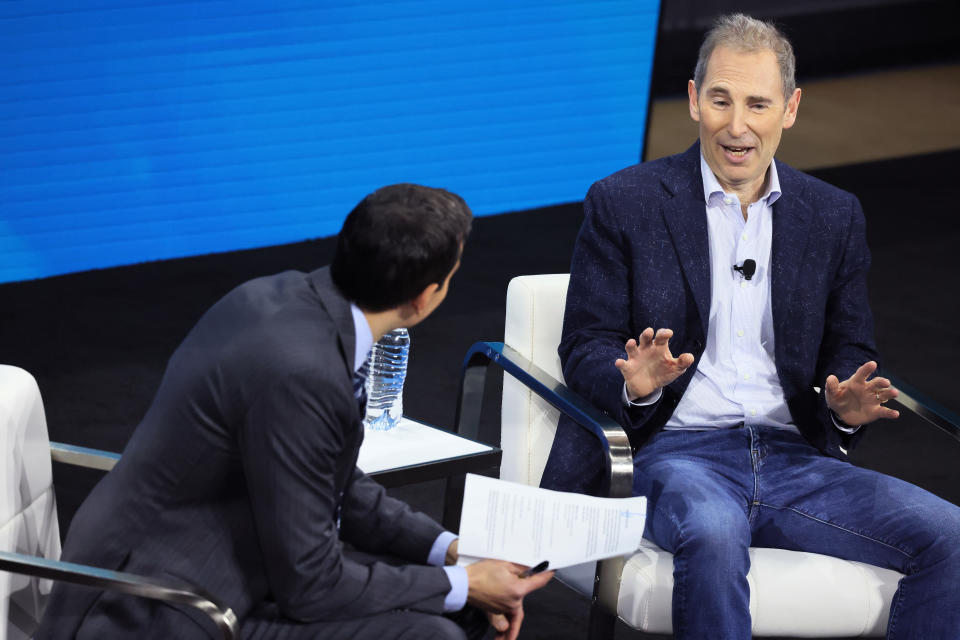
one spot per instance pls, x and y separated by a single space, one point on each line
642 260
242 479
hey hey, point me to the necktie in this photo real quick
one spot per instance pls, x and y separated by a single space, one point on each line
360 387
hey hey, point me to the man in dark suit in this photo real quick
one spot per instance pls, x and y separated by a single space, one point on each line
242 476
756 275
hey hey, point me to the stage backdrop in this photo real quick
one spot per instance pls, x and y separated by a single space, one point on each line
135 130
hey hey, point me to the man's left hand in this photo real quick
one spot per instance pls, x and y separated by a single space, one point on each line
857 400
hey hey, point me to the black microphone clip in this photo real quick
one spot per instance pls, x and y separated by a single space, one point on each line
748 268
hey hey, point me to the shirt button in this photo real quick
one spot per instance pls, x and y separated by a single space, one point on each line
743 285
744 236
728 200
753 412
746 376
740 333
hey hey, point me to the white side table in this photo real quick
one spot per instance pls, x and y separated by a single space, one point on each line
416 452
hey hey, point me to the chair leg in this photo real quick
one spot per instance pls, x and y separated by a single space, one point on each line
601 624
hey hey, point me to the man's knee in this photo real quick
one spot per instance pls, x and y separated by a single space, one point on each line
712 527
942 530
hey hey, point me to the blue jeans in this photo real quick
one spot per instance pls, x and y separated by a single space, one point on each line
712 494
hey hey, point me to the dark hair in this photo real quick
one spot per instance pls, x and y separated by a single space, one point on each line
399 240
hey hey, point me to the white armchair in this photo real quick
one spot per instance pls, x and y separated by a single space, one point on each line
29 531
791 593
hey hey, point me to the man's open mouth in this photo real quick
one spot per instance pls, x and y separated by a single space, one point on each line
737 152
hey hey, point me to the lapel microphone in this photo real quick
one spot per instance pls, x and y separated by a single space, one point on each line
748 268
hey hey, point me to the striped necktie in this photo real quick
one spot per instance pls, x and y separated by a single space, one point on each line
360 386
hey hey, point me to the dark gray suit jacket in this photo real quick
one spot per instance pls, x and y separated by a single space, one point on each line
235 478
642 259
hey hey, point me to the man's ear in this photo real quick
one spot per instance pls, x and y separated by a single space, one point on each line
790 113
694 105
422 300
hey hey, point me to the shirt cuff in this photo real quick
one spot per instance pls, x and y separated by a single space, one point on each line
646 401
438 552
459 586
843 426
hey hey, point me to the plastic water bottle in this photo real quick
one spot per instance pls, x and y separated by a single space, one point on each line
388 370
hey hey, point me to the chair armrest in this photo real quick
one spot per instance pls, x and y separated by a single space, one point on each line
612 437
926 408
166 590
616 445
83 456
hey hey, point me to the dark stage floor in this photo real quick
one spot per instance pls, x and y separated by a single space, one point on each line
98 341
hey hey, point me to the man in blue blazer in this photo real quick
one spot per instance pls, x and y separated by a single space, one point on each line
242 477
755 274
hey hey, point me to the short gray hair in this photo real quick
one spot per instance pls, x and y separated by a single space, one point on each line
743 33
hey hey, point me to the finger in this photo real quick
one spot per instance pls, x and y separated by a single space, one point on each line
885 393
620 364
632 349
861 374
537 581
498 621
684 360
832 386
516 619
646 337
662 337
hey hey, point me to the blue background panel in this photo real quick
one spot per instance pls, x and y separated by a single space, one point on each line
134 131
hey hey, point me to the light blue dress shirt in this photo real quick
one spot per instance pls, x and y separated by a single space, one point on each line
736 378
459 585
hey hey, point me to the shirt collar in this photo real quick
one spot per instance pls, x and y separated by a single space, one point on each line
712 188
364 337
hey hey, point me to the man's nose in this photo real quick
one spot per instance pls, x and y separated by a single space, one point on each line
737 126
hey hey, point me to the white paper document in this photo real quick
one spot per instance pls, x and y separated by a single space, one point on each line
528 525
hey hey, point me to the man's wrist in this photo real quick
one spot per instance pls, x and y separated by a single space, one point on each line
440 551
644 401
841 425
456 598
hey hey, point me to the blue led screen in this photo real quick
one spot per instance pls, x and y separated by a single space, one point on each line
134 131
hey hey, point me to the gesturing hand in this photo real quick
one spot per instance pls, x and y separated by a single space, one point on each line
857 400
649 364
495 586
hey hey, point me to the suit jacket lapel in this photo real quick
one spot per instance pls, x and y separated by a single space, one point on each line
685 216
792 216
339 309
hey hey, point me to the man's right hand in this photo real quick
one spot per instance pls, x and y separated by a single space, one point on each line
649 364
495 586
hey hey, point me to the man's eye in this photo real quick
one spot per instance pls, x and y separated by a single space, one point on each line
760 107
720 103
